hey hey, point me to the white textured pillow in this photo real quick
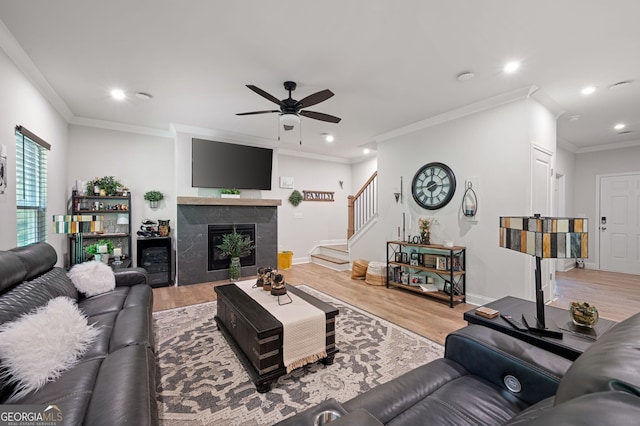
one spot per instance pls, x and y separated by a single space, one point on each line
92 278
39 346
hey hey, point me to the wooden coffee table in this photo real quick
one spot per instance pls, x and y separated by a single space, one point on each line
256 336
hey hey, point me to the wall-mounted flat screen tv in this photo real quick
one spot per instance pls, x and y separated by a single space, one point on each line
226 165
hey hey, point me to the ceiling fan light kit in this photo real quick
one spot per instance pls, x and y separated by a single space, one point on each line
291 109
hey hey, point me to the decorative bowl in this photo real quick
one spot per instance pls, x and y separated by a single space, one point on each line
583 314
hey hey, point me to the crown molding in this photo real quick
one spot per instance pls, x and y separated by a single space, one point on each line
493 102
607 147
568 146
111 125
312 156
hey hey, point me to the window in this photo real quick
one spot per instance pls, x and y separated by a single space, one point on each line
31 187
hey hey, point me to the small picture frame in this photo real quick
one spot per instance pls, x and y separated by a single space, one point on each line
405 257
404 278
447 287
415 279
441 263
398 257
415 259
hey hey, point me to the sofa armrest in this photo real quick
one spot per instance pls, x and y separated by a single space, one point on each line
131 276
492 355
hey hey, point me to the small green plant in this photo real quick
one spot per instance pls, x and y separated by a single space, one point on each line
153 196
109 183
230 191
295 198
235 244
93 248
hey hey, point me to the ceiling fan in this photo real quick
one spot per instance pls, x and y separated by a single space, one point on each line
291 110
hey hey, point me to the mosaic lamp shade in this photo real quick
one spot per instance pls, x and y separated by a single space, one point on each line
545 237
77 225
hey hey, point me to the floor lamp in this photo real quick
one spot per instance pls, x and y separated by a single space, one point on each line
77 225
544 238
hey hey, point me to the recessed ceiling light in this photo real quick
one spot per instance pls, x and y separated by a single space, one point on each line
512 67
118 94
588 90
144 96
619 126
465 76
575 117
329 138
366 151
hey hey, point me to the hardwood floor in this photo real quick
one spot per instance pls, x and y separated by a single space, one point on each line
617 296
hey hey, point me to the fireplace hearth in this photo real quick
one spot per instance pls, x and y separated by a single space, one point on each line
216 259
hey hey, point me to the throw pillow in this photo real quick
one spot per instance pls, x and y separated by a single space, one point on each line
39 346
92 278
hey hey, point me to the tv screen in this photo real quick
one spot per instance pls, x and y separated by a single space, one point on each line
227 165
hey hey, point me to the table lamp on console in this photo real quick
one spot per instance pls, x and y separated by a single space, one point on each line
544 238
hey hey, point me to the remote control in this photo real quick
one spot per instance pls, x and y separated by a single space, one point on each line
514 322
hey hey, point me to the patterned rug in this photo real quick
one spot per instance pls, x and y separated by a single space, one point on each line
201 382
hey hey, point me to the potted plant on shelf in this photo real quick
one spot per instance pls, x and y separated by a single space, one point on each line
235 245
100 250
229 193
104 186
153 197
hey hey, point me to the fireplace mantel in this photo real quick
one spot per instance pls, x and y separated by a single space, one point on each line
210 201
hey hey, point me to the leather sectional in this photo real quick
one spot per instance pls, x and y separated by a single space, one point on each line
114 382
490 378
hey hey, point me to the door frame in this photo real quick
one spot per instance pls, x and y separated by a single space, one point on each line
596 221
548 265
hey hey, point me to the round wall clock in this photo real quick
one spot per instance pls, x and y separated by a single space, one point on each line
433 186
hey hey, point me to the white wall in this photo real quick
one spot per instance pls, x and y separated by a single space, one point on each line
301 228
140 162
361 172
587 167
493 147
22 104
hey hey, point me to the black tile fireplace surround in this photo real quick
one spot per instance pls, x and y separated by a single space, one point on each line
195 214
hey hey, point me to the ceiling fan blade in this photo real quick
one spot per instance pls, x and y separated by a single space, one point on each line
258 112
264 94
320 116
315 98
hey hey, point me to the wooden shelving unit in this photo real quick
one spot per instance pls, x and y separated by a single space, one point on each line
452 271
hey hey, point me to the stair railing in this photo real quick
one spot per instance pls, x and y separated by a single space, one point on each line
362 206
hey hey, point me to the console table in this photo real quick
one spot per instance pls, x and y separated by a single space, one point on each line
575 340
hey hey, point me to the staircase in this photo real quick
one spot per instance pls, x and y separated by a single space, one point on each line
333 256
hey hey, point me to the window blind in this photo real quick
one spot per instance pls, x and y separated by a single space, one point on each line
31 187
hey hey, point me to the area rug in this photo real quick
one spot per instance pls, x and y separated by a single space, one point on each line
201 382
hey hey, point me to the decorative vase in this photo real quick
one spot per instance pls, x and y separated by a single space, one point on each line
163 227
234 269
105 258
425 238
153 204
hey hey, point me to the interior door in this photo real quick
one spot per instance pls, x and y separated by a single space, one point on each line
619 223
541 203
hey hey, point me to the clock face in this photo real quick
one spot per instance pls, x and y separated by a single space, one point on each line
433 186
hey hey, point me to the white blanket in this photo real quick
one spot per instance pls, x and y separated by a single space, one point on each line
303 326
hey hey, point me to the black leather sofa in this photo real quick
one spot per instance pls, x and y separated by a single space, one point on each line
489 378
114 382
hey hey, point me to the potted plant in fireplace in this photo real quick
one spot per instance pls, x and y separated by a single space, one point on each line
235 246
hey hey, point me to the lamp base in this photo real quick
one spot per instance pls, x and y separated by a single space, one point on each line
548 329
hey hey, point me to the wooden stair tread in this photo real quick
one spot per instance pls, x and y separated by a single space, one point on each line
330 259
337 247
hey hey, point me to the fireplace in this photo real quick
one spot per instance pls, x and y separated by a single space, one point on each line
196 214
216 260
